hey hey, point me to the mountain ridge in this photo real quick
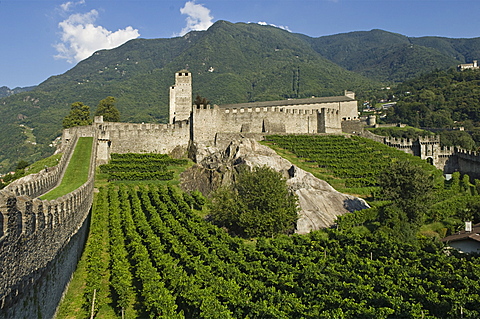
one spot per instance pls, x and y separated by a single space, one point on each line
230 63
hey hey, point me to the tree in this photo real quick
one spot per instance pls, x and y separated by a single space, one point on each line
79 115
409 187
22 165
201 101
260 204
107 109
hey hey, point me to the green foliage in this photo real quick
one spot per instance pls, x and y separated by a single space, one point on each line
409 187
355 161
199 101
194 199
133 166
184 267
401 132
79 115
440 99
107 109
457 138
97 263
260 204
22 164
391 57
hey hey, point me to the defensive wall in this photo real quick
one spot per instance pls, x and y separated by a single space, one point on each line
209 120
36 184
448 159
41 240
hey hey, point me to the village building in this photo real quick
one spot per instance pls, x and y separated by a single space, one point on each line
467 240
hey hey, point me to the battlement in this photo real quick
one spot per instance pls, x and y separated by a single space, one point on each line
137 127
257 109
398 142
267 109
429 139
34 233
446 151
464 152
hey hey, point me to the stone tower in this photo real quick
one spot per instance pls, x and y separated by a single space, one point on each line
181 97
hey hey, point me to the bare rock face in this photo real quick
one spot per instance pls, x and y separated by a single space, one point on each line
320 203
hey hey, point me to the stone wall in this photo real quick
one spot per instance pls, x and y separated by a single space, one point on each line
328 121
36 184
40 243
352 127
448 159
468 163
142 138
206 122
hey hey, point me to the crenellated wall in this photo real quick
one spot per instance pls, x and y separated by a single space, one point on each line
36 184
139 138
207 121
448 159
40 243
468 163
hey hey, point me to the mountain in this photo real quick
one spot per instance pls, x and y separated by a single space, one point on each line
391 57
230 63
5 91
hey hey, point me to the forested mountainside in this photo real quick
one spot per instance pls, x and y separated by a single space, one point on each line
6 91
392 57
441 99
230 63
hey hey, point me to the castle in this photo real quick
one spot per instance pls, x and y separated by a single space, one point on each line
303 116
213 125
204 123
41 241
467 66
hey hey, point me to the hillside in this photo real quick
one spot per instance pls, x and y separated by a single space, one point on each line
392 57
6 91
441 99
230 63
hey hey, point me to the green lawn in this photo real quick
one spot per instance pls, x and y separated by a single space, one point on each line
77 171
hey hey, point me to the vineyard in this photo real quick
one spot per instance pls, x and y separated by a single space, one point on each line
132 167
161 260
151 255
345 162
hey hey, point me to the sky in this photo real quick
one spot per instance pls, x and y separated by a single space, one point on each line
42 38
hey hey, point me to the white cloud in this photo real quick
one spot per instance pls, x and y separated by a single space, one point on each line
198 19
67 6
80 37
276 26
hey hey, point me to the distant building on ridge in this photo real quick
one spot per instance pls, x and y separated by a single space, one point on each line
467 66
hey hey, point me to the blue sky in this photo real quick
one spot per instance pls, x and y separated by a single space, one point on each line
41 38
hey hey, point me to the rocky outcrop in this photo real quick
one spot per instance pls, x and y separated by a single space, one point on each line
320 203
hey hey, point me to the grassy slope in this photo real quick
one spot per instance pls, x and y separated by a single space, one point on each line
77 171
